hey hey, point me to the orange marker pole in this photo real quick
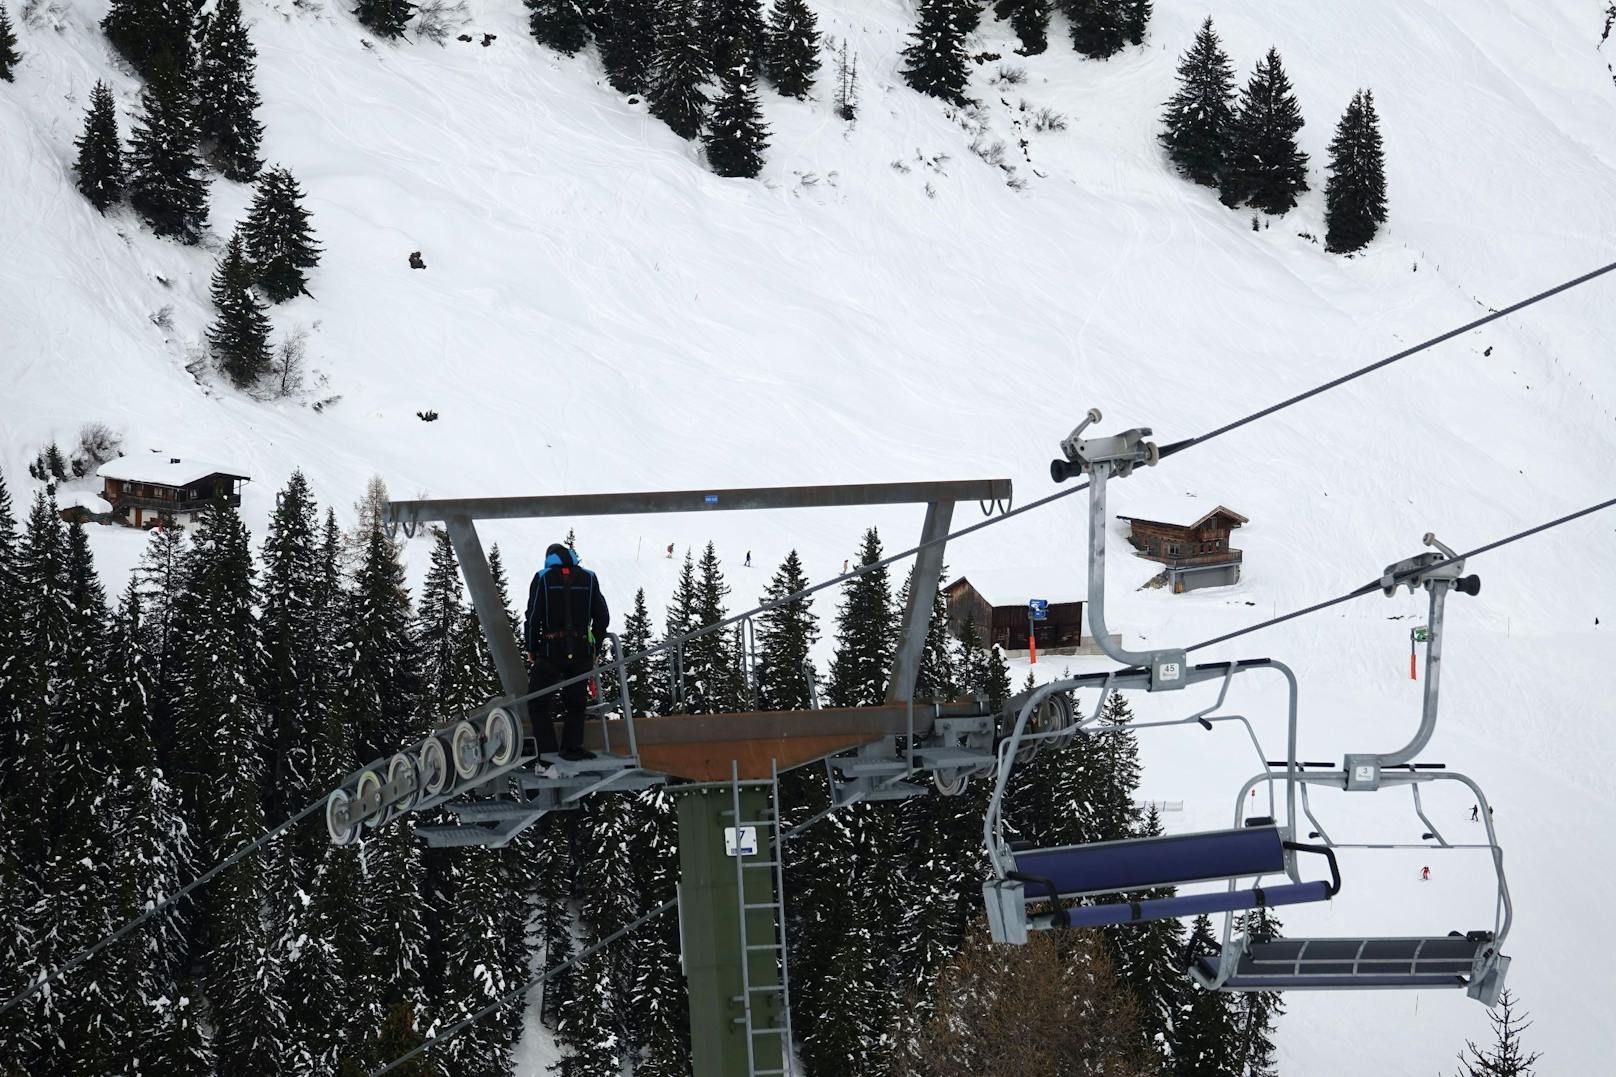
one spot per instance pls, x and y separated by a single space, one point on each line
1032 647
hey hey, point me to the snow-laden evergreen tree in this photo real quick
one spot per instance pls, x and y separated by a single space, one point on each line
1355 193
1136 20
936 678
866 633
1149 960
379 698
280 241
100 160
968 16
681 70
785 642
326 930
294 650
1030 20
19 893
1262 165
595 1028
1116 747
628 47
734 33
934 61
554 871
1099 27
559 24
1256 1012
643 690
227 94
41 684
736 134
160 578
658 1002
8 46
153 35
385 18
1198 118
219 725
791 47
847 92
1508 1057
679 619
713 678
165 183
153 852
1203 1030
239 335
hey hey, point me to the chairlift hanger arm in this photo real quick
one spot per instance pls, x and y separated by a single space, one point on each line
831 495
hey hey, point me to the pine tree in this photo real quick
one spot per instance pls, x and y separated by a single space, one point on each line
847 95
681 69
628 49
1198 121
1257 1011
18 892
866 633
658 1000
386 18
1508 1058
1149 960
1262 165
680 619
643 686
936 678
219 725
1099 27
8 46
153 35
791 52
1116 748
294 653
239 337
1203 1036
280 242
734 33
226 96
935 57
557 23
160 579
100 160
553 868
1355 193
1030 20
785 642
1135 20
736 135
165 184
711 684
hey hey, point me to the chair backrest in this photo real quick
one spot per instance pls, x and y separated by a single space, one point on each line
1141 863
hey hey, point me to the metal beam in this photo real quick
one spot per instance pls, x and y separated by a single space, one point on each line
768 497
922 591
491 612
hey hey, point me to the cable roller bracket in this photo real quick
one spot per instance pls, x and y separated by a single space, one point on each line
1122 451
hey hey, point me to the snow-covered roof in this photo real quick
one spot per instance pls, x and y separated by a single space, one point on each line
163 470
1220 509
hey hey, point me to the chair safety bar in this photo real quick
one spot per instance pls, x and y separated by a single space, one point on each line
1455 961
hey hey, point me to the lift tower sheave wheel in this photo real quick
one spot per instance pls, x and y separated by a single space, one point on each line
339 821
465 749
500 736
433 762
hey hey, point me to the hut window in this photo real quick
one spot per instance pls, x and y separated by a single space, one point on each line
1172 549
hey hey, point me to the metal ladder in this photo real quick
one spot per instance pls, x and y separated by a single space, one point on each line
774 851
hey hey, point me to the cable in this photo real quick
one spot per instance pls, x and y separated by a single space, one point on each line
1377 585
798 596
1179 446
163 903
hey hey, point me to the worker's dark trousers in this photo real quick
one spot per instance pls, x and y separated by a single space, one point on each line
574 698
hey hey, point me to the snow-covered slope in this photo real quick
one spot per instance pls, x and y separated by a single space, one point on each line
601 313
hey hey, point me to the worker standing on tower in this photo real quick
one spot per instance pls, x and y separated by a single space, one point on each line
566 625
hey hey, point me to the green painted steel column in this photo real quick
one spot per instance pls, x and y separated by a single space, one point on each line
710 935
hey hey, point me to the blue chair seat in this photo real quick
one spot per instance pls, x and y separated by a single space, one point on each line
1301 964
1143 863
1195 904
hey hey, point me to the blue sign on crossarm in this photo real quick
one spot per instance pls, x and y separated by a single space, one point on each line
1038 609
711 499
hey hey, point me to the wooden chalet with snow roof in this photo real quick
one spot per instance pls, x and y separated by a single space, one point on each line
141 490
1196 555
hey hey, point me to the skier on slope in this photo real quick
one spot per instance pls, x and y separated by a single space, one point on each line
1425 875
566 624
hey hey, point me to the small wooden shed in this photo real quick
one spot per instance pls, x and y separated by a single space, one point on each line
1008 626
141 490
1196 555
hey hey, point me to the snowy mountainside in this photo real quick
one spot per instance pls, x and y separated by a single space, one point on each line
600 312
